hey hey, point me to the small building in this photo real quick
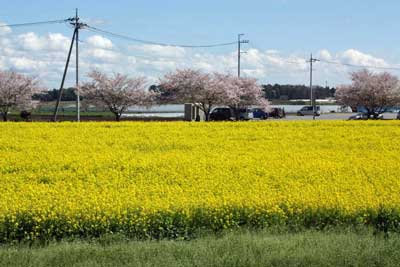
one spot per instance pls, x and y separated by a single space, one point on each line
193 113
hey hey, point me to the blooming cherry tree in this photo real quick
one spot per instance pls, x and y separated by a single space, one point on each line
241 92
373 91
210 90
16 92
193 86
117 92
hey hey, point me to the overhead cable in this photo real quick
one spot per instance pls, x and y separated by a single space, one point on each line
33 23
121 36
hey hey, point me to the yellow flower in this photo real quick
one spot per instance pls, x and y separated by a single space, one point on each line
92 178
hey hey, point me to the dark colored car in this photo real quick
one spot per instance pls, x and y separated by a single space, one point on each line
222 114
259 113
277 113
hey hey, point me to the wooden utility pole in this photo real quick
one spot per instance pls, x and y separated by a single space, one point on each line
75 38
60 92
312 100
78 104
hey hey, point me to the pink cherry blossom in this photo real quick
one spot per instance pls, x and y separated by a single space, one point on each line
16 92
116 92
373 91
211 90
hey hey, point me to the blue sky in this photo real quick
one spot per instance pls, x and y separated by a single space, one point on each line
280 31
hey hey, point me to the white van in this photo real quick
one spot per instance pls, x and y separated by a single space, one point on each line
308 111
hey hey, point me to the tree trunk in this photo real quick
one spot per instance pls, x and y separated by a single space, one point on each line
206 110
370 113
117 116
237 113
4 114
207 115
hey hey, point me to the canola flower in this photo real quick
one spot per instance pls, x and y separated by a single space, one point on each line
156 180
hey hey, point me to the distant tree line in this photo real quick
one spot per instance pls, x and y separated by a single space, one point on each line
289 92
52 95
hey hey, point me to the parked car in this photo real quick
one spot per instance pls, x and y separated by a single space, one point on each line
222 114
359 116
259 113
277 113
389 115
246 114
26 115
364 116
309 111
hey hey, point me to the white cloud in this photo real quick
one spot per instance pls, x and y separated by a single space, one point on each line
51 42
158 50
102 55
30 41
98 41
159 65
352 56
27 65
257 73
254 57
203 66
324 54
274 60
44 56
58 42
4 29
272 51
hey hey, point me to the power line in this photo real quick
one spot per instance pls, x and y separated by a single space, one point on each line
33 23
121 36
296 61
358 66
334 63
142 56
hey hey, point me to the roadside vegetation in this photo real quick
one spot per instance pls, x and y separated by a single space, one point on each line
335 247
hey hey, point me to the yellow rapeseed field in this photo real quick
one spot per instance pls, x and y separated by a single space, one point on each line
171 179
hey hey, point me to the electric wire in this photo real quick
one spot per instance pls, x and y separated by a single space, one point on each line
358 66
296 61
121 36
33 23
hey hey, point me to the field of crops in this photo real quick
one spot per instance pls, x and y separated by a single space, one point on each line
153 180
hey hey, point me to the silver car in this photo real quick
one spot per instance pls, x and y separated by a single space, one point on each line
364 116
308 111
246 114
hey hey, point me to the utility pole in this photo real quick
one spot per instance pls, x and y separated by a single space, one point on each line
60 92
312 100
78 104
75 38
240 42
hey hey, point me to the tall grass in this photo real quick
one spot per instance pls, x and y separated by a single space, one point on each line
261 248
